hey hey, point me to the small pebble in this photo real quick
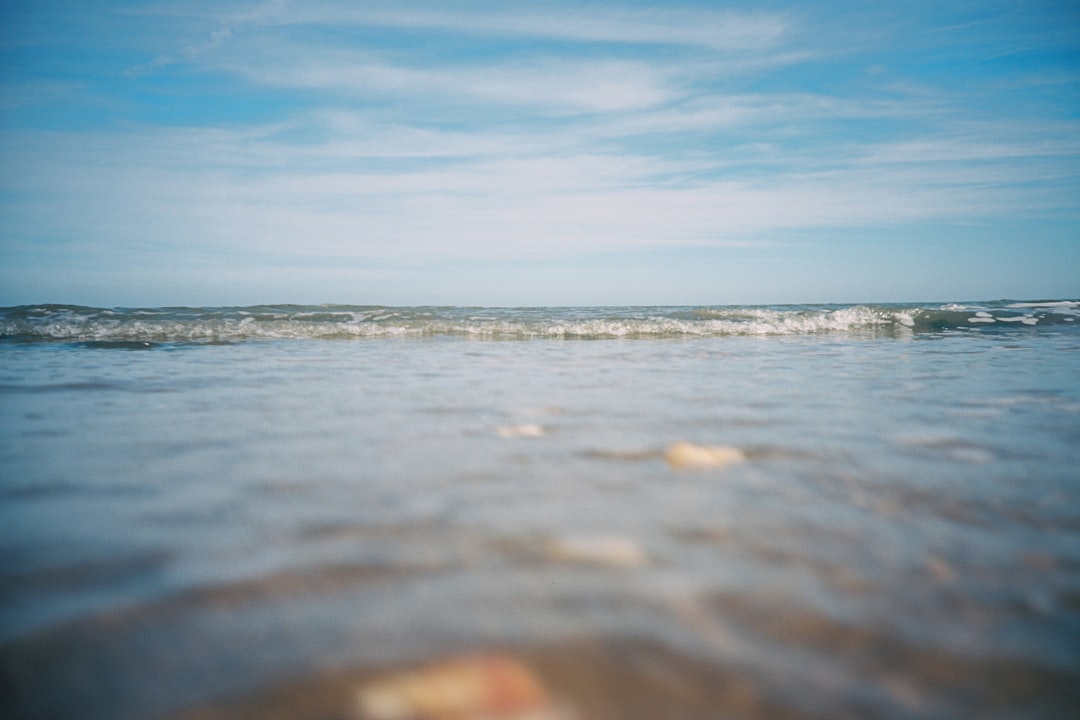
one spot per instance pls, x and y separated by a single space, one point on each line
527 430
604 550
684 456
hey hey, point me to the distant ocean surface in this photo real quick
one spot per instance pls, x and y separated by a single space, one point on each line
820 511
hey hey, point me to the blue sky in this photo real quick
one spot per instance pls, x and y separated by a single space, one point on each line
503 153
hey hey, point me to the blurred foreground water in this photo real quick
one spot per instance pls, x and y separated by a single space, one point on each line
829 521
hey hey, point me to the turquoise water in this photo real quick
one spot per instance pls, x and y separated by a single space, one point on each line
197 503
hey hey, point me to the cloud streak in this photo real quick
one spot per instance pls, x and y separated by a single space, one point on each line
614 23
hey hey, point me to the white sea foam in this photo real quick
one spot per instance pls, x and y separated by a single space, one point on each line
1062 304
77 324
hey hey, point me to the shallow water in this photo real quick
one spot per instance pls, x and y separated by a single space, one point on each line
185 520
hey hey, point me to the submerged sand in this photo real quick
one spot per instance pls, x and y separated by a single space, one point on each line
628 678
620 679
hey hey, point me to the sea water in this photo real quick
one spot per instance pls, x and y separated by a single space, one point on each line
199 504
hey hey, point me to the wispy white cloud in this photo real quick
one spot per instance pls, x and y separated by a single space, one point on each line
492 196
610 22
271 51
602 86
188 54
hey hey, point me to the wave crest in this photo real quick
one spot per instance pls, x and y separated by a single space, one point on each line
67 323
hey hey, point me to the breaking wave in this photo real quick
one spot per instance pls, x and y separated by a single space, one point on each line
132 328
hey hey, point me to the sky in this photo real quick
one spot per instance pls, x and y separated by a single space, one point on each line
218 152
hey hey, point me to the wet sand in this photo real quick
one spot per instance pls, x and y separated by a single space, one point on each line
621 679
631 679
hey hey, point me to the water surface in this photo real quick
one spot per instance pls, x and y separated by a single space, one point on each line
203 504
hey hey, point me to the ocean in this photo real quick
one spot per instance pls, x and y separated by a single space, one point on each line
821 511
